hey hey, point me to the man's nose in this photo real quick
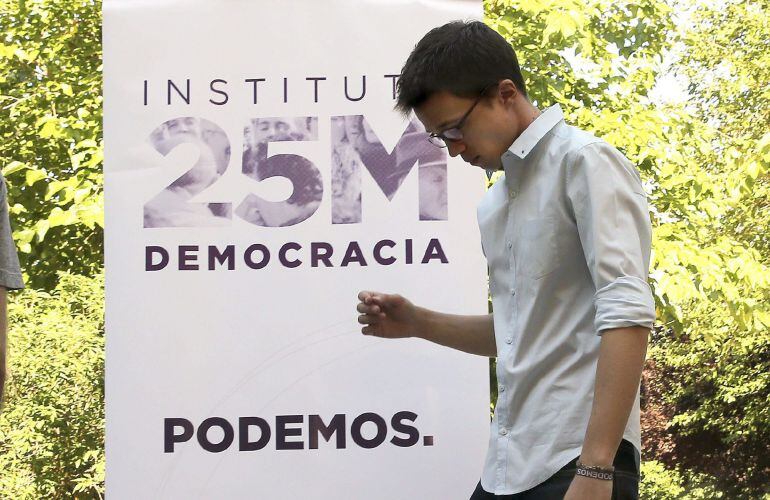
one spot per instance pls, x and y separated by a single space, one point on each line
455 148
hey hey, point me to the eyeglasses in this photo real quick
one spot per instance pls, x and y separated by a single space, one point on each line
454 133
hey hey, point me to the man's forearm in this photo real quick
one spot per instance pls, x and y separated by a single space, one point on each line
618 372
471 334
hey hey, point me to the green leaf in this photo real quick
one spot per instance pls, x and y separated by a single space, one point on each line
33 175
12 167
42 229
50 129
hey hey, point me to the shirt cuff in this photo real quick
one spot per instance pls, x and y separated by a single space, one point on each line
627 301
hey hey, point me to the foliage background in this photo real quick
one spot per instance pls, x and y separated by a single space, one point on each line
703 152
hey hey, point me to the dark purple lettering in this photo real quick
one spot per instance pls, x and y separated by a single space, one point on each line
282 255
255 82
379 437
227 439
363 91
394 77
151 251
248 256
185 97
227 256
353 254
408 251
244 424
434 251
170 436
220 92
385 261
397 422
315 80
317 426
186 259
316 254
282 432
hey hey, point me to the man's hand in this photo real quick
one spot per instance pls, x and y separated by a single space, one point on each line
584 488
388 316
394 317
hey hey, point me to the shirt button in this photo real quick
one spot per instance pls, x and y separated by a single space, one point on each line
510 245
513 292
509 340
513 194
502 388
503 431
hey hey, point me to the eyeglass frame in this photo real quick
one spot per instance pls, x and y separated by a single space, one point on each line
457 126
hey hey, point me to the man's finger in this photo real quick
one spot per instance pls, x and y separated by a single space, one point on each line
370 298
367 297
366 309
368 319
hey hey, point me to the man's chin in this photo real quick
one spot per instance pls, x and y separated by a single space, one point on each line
484 165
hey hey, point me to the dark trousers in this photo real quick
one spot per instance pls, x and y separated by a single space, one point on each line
624 487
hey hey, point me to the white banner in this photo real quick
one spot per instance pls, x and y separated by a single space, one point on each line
257 178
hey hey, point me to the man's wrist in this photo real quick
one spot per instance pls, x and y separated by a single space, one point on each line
595 472
598 457
422 327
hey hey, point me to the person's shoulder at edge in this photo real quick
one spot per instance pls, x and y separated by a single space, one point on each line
598 156
575 137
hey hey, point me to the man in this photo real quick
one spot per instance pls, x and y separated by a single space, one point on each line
566 233
10 278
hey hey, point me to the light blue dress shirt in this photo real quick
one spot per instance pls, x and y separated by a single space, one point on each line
567 235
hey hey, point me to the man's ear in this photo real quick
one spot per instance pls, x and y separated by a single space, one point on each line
507 91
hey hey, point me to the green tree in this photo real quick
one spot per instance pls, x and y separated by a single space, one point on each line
52 428
705 164
713 368
50 125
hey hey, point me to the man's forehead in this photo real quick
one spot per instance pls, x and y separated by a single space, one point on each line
440 110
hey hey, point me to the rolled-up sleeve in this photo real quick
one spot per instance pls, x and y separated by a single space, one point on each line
613 220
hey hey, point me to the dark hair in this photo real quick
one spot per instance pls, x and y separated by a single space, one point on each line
461 57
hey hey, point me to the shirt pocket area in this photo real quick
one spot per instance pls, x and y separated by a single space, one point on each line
538 254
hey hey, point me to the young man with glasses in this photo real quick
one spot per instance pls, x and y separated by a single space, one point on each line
566 233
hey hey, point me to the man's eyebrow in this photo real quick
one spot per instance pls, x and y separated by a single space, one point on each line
444 124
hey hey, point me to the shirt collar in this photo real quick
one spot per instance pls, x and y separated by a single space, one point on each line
536 130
